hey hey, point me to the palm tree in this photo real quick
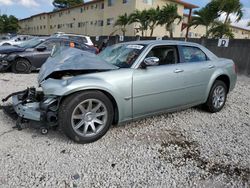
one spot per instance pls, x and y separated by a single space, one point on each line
122 22
248 24
230 7
153 16
205 17
167 16
140 17
220 30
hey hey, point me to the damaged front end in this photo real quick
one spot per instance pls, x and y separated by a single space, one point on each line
32 105
42 106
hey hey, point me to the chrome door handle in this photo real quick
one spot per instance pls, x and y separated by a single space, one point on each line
178 71
211 66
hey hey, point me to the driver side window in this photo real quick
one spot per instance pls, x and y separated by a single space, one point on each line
50 44
166 54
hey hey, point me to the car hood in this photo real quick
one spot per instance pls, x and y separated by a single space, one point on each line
10 49
72 59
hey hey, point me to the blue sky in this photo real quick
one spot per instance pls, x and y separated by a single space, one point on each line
26 8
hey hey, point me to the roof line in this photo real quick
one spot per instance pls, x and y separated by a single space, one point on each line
185 4
60 10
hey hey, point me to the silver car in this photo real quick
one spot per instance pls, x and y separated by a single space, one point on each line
85 94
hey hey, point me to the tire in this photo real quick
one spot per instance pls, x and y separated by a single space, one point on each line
21 65
217 97
77 121
6 44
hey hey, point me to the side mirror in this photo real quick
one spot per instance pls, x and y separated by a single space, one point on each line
150 61
41 48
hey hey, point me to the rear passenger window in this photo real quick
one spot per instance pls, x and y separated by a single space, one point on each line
193 54
78 39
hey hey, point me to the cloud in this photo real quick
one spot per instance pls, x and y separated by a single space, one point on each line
25 3
29 3
243 22
6 2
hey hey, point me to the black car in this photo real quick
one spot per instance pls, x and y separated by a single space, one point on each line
31 55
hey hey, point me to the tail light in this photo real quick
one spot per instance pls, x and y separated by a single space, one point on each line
235 69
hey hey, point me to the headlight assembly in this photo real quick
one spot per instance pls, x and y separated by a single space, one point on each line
3 55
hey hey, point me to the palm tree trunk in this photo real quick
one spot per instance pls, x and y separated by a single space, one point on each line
151 31
171 34
207 32
227 18
142 32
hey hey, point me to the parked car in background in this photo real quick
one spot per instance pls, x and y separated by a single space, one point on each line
32 54
78 38
4 37
15 40
85 94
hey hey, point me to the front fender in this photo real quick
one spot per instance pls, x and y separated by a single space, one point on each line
70 86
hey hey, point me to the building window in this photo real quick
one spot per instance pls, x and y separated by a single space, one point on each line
110 3
81 10
149 2
110 21
102 6
124 1
100 23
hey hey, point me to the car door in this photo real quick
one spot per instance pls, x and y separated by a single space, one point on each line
195 71
157 88
40 56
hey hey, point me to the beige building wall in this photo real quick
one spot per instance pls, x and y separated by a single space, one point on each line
199 31
97 18
91 19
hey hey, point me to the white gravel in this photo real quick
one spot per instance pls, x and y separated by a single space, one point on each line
191 148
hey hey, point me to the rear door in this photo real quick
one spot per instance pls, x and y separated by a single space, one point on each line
195 70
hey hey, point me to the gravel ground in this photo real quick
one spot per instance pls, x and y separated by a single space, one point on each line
191 148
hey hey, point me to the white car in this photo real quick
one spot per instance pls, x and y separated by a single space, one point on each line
15 40
80 38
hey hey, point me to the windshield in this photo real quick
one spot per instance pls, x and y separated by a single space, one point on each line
30 43
122 55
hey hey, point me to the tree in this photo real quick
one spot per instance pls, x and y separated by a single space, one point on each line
220 30
140 17
230 7
60 4
248 24
153 17
122 22
8 24
167 16
205 17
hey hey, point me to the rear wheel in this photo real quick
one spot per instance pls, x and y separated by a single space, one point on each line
217 97
21 65
86 117
6 44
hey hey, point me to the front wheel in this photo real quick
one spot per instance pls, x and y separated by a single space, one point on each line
21 65
85 117
217 97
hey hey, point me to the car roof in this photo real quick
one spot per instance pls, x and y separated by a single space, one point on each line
162 42
67 39
76 35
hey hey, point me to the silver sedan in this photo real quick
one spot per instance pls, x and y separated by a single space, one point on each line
85 94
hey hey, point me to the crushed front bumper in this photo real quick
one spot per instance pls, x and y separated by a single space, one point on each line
32 105
29 111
